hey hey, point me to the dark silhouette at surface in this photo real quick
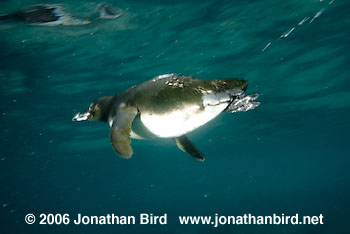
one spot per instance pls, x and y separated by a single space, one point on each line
52 15
33 14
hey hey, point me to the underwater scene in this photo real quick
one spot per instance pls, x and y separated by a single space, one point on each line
276 146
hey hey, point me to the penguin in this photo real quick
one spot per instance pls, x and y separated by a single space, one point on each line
45 14
167 106
54 14
33 14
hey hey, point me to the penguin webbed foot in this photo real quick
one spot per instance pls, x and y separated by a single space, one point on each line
243 103
108 12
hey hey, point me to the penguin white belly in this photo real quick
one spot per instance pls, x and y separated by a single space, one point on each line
180 122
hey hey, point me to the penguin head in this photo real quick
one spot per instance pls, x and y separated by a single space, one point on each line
98 110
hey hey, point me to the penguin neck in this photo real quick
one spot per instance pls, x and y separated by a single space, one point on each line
106 106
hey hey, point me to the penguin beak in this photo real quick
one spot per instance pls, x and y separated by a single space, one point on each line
81 116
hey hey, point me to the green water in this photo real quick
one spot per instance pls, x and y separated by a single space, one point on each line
290 155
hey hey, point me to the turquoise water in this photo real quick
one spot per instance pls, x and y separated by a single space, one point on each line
290 155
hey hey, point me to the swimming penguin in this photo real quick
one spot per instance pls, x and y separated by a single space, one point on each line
168 106
46 15
33 14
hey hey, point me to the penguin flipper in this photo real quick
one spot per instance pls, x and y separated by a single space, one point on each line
184 144
119 133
